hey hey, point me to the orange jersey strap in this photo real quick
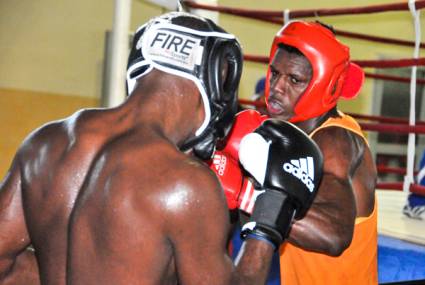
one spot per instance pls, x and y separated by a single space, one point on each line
344 121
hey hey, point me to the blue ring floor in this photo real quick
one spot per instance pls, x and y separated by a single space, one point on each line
398 260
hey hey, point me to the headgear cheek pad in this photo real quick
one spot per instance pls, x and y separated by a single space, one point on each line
333 74
197 49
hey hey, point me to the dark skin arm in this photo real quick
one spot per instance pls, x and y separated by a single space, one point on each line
201 244
17 261
253 262
328 225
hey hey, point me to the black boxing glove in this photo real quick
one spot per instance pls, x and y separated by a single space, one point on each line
287 164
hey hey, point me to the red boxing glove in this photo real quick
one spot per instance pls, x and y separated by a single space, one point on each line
239 191
245 122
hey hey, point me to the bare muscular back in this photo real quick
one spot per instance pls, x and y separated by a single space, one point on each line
121 214
131 212
136 203
53 164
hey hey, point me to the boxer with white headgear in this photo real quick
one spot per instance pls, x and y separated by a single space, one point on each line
106 196
196 53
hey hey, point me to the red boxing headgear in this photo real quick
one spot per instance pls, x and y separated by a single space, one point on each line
333 76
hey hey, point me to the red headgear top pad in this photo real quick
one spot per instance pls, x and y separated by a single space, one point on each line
333 73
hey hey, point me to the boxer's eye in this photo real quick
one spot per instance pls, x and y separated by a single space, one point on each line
274 72
294 80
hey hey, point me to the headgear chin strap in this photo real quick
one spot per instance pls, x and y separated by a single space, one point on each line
334 76
197 49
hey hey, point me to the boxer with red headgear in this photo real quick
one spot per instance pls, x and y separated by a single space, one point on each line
332 75
336 242
309 71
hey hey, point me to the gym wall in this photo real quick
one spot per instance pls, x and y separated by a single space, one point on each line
51 62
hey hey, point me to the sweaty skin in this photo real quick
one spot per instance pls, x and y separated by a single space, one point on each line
137 210
348 183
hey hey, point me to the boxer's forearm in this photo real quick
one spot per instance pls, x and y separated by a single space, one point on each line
325 229
328 226
253 263
22 271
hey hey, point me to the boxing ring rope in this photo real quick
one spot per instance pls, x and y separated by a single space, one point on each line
390 120
392 78
276 17
409 178
401 6
382 119
377 39
393 128
392 170
392 125
389 63
367 63
392 63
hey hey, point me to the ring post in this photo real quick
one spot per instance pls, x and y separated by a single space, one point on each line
115 85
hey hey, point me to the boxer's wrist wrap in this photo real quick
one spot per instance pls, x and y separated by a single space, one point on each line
272 217
257 236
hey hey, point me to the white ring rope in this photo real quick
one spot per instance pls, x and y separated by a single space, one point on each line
286 17
409 178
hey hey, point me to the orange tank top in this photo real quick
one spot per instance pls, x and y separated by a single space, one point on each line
358 263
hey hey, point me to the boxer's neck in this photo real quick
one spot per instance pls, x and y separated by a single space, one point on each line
175 109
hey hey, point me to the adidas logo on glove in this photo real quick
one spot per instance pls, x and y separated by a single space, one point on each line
303 169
